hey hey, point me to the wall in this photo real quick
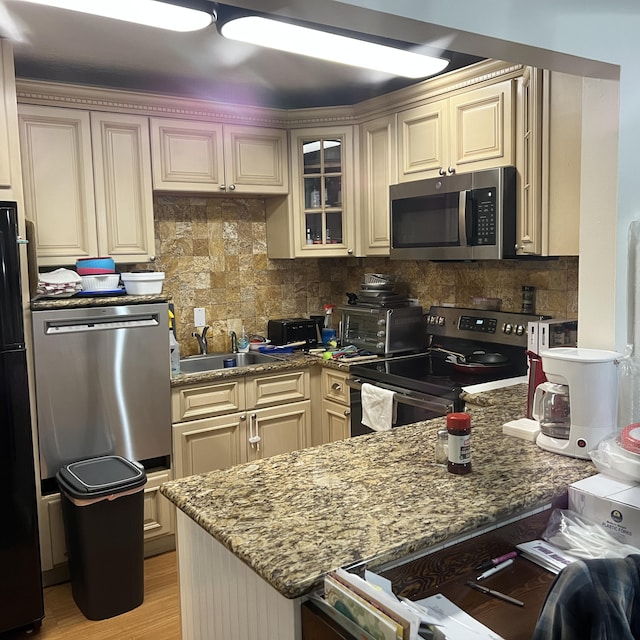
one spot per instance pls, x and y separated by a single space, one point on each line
214 255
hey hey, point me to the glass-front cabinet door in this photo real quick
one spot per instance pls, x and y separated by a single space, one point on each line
322 176
323 160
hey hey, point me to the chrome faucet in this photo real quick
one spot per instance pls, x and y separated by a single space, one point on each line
202 340
234 341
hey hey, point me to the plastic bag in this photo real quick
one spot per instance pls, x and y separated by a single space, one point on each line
583 538
614 461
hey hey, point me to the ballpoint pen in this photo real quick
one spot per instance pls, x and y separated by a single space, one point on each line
495 594
495 561
498 567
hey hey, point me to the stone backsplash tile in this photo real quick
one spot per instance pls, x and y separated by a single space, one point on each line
214 254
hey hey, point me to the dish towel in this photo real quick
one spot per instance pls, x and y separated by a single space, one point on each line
378 407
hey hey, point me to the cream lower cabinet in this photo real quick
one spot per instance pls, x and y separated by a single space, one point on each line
220 424
87 184
159 522
469 131
336 411
211 157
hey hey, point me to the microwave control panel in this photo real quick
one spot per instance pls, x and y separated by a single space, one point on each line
484 218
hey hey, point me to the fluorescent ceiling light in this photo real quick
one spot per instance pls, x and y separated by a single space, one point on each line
330 46
148 12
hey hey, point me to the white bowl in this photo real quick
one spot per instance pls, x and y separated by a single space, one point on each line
255 346
143 284
100 282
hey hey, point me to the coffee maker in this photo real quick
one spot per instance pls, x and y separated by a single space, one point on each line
543 335
591 378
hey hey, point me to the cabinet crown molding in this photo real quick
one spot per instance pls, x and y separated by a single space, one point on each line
49 93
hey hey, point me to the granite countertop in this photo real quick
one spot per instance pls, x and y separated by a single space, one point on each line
375 498
76 302
296 360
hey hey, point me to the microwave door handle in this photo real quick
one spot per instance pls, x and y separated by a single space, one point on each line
463 232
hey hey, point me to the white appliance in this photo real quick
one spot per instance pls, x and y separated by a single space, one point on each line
592 378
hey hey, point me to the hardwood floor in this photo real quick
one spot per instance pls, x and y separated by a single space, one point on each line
157 618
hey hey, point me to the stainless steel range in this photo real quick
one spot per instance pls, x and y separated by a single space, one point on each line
464 347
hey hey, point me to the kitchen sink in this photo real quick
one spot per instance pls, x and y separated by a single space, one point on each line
213 361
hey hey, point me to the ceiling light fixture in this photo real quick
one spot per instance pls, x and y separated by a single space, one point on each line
315 43
190 15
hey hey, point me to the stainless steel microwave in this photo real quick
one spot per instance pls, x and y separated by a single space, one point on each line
466 216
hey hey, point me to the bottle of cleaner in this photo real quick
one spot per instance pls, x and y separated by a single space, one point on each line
174 348
328 332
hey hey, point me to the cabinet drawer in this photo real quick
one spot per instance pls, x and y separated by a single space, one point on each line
278 388
334 386
191 403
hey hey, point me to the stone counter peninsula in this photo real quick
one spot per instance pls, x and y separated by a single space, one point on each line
254 539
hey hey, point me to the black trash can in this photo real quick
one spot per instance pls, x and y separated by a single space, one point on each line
103 511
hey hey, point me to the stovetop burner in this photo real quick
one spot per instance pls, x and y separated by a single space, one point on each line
462 331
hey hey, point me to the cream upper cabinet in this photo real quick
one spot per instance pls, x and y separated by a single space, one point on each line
468 131
209 157
378 151
529 162
563 126
87 182
9 164
122 175
318 217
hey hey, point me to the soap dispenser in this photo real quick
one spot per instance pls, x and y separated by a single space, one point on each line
174 348
243 341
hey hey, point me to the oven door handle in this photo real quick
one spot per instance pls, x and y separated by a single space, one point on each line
422 401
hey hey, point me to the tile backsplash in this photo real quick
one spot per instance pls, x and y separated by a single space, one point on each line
214 254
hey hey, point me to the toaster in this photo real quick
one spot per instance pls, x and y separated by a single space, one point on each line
287 330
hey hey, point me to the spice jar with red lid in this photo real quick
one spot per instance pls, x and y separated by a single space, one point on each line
459 428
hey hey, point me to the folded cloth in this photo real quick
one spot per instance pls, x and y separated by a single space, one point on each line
378 407
60 283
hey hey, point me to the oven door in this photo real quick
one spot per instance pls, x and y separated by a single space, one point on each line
411 406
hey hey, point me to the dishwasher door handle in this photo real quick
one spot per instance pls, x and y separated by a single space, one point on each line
109 324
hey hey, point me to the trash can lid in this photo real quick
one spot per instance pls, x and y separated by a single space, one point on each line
95 477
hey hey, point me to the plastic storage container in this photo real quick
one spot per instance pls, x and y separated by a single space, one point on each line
143 284
103 511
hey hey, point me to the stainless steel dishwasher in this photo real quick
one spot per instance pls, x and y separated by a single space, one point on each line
102 384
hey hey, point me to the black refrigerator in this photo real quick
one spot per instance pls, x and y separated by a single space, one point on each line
21 597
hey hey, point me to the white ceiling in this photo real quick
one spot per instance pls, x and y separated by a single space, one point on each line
65 46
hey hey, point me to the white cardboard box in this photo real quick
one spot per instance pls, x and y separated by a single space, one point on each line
611 503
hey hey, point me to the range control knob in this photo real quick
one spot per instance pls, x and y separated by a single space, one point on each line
441 321
507 328
519 330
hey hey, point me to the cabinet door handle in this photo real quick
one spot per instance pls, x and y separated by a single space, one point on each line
442 172
254 438
336 386
223 187
232 187
452 170
347 412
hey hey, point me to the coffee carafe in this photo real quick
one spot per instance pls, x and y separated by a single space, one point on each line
586 389
552 410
